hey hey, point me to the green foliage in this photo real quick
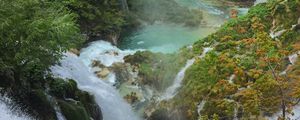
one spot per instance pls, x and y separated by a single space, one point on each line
216 108
243 71
35 33
73 111
97 16
157 69
85 104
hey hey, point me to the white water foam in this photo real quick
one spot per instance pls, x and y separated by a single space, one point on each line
6 112
73 67
172 90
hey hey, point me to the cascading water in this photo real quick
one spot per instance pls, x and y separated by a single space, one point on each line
6 112
73 67
259 1
171 91
200 107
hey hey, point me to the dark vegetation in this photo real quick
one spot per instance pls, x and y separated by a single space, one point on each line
33 36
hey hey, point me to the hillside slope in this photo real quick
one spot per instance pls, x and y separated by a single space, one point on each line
252 71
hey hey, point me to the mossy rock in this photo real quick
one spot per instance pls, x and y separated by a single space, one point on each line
160 114
73 111
61 88
40 105
90 105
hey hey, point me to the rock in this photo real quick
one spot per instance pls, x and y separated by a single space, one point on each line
39 105
132 98
96 63
103 73
233 13
122 72
73 111
75 51
115 53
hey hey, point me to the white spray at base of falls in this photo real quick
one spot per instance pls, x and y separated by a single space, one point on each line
104 52
107 97
6 112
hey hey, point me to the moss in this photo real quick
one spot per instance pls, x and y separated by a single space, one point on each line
68 89
40 105
90 105
73 111
158 69
160 114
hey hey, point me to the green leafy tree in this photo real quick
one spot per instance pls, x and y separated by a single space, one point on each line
97 17
35 33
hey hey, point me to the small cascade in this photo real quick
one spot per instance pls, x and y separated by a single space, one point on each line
293 58
205 50
231 78
276 34
78 68
200 107
235 115
259 1
11 113
172 90
58 112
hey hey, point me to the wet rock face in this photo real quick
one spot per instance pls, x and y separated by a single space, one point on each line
38 102
103 73
74 103
75 51
165 114
123 72
39 99
131 98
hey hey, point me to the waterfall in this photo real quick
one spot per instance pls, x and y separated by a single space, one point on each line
231 78
200 107
205 50
172 90
73 67
235 115
7 113
259 1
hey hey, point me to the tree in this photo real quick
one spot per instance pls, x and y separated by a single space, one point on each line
97 18
35 33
